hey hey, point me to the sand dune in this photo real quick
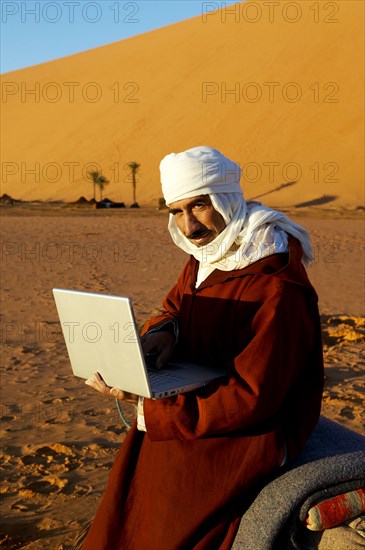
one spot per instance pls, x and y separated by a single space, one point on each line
280 90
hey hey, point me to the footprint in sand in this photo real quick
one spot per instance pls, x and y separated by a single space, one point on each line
58 400
48 523
26 349
348 413
47 485
44 467
81 490
55 453
343 328
24 506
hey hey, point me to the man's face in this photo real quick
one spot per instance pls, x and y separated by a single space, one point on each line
197 219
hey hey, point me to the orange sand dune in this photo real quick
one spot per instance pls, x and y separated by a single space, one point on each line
277 87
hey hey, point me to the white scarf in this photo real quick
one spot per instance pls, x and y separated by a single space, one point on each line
198 171
252 232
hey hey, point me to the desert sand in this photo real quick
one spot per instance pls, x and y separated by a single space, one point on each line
59 437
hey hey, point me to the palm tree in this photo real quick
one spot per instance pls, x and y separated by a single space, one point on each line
100 180
134 166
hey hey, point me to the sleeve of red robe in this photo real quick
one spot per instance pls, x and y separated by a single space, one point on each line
260 378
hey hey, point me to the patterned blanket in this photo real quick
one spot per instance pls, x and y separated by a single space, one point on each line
336 510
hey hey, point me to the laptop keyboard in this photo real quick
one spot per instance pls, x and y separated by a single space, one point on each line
163 377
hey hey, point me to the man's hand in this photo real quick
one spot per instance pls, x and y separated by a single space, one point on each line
159 344
98 384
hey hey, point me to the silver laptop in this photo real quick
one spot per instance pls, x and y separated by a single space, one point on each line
101 335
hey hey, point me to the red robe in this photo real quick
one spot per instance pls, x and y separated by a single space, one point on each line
186 482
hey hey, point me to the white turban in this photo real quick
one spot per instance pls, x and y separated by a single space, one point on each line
252 231
198 171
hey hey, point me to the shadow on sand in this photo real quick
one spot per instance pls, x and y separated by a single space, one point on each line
279 188
316 202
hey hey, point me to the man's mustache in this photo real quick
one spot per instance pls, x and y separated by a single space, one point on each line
198 233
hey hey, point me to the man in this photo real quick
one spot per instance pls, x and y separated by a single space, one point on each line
184 474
